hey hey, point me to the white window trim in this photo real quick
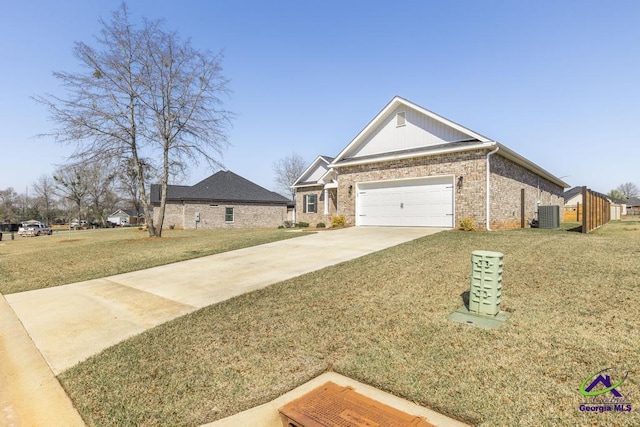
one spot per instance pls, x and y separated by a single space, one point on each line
314 204
233 214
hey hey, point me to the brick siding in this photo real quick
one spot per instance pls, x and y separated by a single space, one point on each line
507 179
314 218
469 200
182 216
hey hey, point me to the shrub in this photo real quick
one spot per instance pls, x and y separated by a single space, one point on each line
171 227
302 224
338 221
466 224
280 227
288 224
320 225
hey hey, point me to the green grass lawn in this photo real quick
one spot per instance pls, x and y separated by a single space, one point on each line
573 302
73 256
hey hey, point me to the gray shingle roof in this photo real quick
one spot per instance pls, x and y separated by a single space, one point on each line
572 192
223 186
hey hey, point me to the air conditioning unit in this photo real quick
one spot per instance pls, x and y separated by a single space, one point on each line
549 216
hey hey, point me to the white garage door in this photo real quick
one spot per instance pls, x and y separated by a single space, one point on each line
423 202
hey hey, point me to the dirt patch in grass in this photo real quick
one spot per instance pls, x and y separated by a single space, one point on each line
383 319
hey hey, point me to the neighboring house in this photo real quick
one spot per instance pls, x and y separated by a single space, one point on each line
633 206
125 217
573 203
412 167
223 200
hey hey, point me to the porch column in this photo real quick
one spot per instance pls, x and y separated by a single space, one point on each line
326 201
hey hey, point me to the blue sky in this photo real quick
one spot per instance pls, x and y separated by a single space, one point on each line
556 81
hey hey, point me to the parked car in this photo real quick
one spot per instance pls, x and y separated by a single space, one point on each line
34 228
78 224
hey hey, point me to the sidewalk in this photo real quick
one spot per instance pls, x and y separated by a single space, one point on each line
30 395
70 323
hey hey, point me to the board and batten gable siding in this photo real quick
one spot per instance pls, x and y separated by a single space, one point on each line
419 131
317 173
212 215
507 181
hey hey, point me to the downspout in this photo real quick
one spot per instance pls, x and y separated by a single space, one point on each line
489 187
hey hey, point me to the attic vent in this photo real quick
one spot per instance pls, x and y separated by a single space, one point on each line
401 118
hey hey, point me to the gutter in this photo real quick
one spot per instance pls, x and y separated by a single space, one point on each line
401 156
488 216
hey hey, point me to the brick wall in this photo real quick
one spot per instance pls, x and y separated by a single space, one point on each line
315 218
213 216
469 200
507 181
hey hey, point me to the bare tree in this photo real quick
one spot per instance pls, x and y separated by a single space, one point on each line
127 183
72 184
628 189
100 196
44 189
615 194
8 205
142 97
287 170
183 87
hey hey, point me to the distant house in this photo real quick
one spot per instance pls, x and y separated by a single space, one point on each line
573 203
125 217
223 200
633 206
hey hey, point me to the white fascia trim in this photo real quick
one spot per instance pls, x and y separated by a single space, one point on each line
528 164
309 169
394 103
331 176
313 184
413 155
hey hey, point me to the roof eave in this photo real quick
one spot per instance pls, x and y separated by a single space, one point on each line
311 166
504 151
528 164
384 158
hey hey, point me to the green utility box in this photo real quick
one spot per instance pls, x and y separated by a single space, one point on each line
486 283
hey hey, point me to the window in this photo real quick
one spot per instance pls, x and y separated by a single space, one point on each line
310 204
401 119
228 214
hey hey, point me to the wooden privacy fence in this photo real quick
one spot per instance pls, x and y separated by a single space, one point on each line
596 210
572 213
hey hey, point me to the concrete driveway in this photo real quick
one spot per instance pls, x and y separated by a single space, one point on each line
72 322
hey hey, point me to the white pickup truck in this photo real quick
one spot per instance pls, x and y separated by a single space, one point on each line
33 228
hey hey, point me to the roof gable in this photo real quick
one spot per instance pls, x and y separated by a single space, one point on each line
571 193
119 212
223 186
421 128
315 172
